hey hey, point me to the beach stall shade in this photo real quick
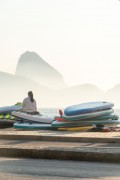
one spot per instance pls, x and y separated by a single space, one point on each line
89 107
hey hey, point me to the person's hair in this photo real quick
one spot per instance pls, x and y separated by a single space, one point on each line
30 94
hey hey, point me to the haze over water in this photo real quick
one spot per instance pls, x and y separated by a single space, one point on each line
79 38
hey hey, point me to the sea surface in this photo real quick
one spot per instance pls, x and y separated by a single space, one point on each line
117 111
51 112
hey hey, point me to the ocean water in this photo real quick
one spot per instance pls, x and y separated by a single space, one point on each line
50 112
117 111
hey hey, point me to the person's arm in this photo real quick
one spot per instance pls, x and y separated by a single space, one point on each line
35 106
23 104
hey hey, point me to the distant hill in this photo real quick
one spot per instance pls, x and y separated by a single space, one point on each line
32 66
79 94
14 88
48 86
113 95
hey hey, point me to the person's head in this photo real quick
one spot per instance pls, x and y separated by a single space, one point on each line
30 95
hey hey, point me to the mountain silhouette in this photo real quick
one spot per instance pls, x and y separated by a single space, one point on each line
48 86
113 95
79 94
14 89
32 66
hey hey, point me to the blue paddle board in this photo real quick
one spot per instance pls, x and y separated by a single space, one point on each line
88 115
87 108
9 109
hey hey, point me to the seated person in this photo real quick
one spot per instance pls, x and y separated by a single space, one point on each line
29 104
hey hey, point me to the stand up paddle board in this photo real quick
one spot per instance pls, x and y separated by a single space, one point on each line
99 118
84 128
21 125
9 109
88 115
83 123
33 118
87 108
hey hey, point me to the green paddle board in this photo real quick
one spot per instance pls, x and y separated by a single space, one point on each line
22 125
83 123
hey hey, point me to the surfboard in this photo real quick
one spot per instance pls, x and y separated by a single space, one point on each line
6 122
22 125
83 123
88 115
87 108
7 116
84 128
110 116
33 118
99 118
8 109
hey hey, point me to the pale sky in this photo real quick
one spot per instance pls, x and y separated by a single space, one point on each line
80 38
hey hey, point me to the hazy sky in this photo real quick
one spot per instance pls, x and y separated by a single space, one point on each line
80 38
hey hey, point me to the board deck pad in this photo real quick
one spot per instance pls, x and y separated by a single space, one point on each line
99 118
88 115
9 109
84 128
87 108
83 123
23 125
33 118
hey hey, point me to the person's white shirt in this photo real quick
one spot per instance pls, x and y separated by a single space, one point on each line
29 106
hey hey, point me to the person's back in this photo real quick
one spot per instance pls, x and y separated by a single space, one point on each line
29 106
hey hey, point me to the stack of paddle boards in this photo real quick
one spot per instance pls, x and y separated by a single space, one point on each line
28 121
84 116
5 114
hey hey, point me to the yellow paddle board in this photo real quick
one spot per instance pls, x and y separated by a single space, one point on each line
84 128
